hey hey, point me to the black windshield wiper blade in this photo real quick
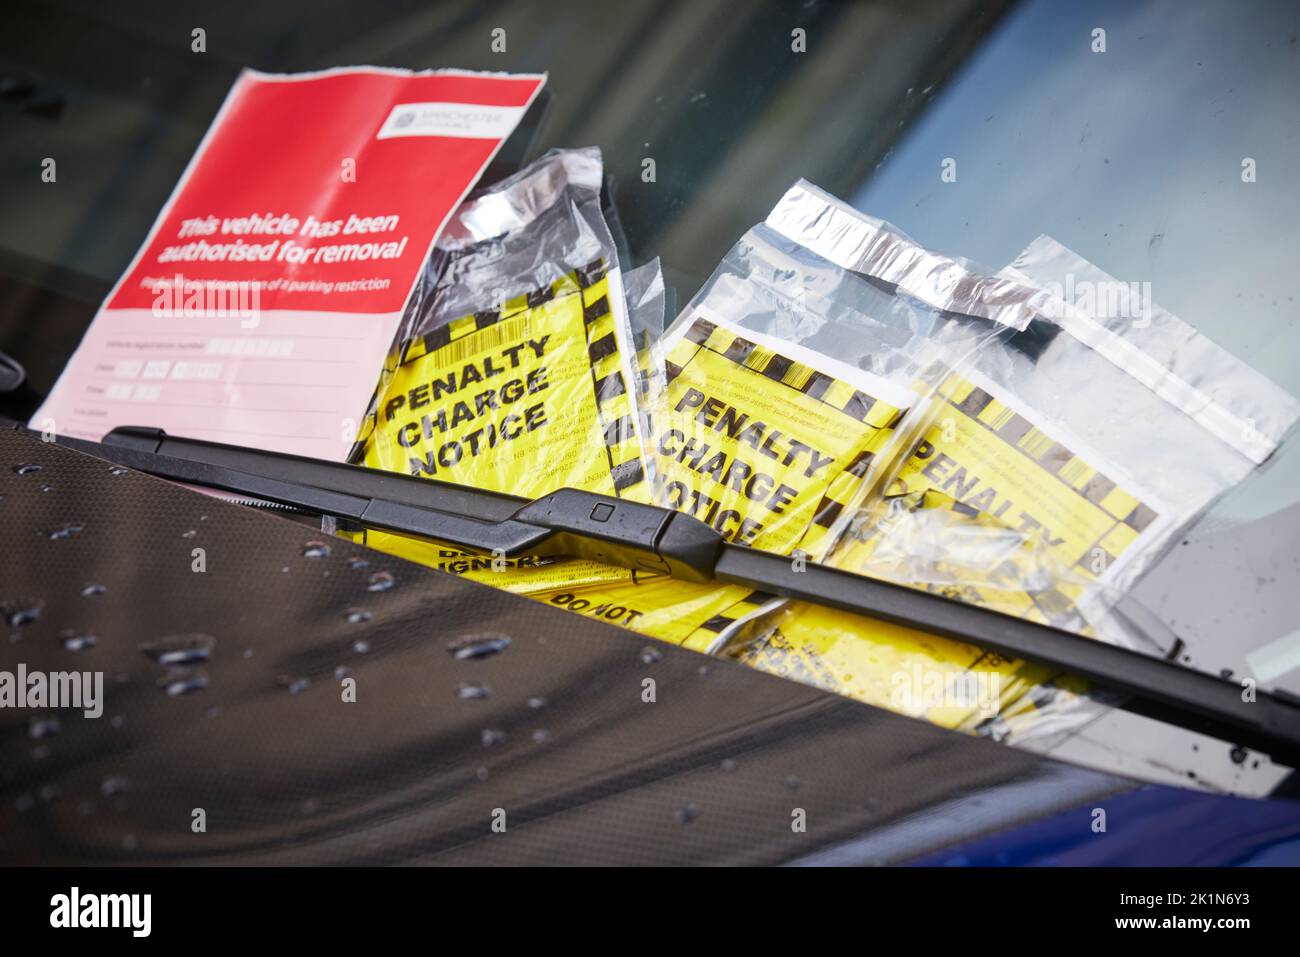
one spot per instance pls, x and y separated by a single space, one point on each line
646 537
565 522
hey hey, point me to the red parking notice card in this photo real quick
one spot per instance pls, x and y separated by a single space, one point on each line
260 307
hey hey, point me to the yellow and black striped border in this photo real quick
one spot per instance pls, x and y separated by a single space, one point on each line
734 612
614 402
834 393
1130 516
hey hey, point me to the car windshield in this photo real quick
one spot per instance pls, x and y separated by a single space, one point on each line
1156 140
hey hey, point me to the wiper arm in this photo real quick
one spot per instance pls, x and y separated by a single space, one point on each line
649 538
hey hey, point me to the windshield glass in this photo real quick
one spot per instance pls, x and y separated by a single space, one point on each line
1156 140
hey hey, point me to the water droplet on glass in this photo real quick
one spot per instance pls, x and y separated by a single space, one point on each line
50 792
40 752
295 685
356 561
1238 755
491 736
360 646
18 614
118 470
355 616
381 581
130 842
728 765
27 469
117 721
541 736
91 590
792 783
189 534
47 488
481 774
177 650
650 654
341 672
687 814
181 682
536 703
310 806
24 802
111 787
43 727
468 692
64 531
475 647
75 642
315 550
248 652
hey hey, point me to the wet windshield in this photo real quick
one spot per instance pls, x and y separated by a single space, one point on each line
1155 140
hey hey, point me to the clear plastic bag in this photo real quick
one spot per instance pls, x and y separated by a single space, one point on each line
948 683
1053 467
651 604
646 303
781 387
1158 406
515 367
1099 436
646 299
854 305
523 233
